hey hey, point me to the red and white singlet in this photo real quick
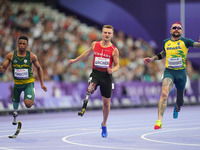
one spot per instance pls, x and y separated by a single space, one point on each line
102 57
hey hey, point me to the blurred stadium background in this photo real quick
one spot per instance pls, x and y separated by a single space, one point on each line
62 29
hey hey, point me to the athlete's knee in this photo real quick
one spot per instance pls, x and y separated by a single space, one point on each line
106 105
164 94
106 102
28 103
91 88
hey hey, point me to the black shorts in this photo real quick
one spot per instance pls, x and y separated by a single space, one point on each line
104 80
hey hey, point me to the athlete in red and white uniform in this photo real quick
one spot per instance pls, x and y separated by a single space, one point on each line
102 57
105 62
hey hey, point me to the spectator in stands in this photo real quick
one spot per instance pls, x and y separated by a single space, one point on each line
67 35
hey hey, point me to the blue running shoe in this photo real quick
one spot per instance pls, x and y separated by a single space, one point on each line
176 110
104 132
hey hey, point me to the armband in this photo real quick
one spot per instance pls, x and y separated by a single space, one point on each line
159 56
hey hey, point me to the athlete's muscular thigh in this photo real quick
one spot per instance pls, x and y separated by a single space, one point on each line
167 86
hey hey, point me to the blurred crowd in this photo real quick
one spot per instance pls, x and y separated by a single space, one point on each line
55 42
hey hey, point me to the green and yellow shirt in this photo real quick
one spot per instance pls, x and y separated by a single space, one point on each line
176 52
22 68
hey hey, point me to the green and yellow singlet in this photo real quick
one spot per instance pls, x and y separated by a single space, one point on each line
22 68
176 52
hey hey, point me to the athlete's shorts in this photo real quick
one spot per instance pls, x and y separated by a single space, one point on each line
29 91
178 77
104 80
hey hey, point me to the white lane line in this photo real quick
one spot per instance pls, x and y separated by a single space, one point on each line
144 136
65 139
6 148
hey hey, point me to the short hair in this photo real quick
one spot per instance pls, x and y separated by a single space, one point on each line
109 27
23 38
176 22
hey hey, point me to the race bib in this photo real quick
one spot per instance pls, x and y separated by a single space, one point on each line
175 62
21 73
101 62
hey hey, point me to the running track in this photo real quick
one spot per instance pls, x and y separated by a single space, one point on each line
128 129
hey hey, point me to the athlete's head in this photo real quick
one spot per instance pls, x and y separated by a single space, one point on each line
176 29
107 32
22 43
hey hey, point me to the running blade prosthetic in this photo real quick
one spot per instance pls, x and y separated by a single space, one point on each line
17 131
15 114
81 113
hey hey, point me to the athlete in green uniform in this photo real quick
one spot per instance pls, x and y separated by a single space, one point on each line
21 61
175 49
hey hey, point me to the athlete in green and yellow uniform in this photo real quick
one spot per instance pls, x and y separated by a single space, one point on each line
21 61
175 50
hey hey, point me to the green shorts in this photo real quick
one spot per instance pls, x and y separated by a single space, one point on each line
178 77
29 91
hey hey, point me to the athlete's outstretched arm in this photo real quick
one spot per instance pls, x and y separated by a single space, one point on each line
115 60
159 56
197 44
84 55
39 70
5 65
